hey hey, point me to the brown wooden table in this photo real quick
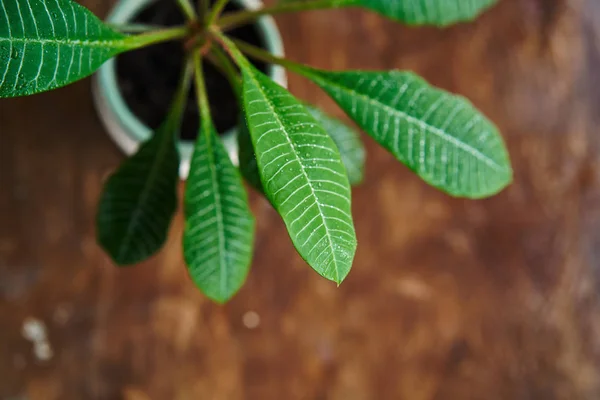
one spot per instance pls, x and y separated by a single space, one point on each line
448 299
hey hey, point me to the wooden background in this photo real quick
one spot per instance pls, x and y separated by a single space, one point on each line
448 299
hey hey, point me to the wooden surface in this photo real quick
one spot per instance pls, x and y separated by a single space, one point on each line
448 299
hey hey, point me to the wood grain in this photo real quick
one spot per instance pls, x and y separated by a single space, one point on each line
448 299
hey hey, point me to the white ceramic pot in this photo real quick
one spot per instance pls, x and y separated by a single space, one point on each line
126 130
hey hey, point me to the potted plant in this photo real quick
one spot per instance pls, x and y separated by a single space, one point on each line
302 160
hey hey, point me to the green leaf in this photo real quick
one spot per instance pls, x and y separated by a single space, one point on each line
48 44
139 200
411 12
302 174
347 141
441 137
345 138
219 228
426 12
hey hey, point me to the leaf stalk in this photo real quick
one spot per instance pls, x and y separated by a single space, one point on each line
201 95
187 9
180 97
216 12
222 61
263 55
135 28
154 37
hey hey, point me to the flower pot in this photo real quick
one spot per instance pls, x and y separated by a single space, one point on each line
129 128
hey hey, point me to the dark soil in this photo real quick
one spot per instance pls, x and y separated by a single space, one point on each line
148 77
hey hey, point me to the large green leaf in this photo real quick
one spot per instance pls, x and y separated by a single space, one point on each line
440 136
412 12
48 44
139 200
345 138
219 228
426 12
302 174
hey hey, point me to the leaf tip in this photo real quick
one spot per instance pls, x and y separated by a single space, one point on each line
503 179
219 299
220 296
340 279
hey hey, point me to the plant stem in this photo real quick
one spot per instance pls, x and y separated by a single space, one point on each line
153 37
227 68
203 10
217 64
263 55
188 9
235 48
216 12
201 90
242 17
135 28
181 95
228 46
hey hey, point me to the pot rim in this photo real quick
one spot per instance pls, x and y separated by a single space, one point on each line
125 129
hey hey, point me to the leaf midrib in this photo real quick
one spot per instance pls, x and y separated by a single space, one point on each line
436 131
123 249
282 127
66 42
218 211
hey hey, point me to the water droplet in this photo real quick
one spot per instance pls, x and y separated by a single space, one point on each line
54 15
15 54
21 76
